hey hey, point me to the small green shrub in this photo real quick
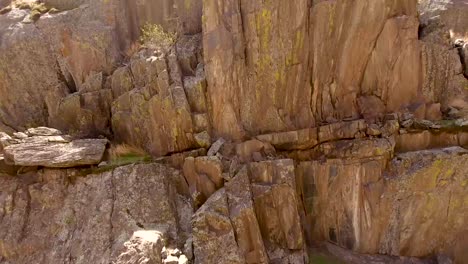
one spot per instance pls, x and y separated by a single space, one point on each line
41 8
153 35
35 15
23 5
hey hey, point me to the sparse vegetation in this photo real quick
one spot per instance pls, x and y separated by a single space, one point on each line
126 151
35 15
23 5
154 36
120 155
37 9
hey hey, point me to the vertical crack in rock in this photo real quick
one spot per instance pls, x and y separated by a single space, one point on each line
27 212
462 48
111 214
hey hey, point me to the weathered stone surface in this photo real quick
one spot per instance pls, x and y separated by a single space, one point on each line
428 139
55 151
311 137
355 204
55 217
55 56
43 131
6 168
216 147
276 206
203 175
143 247
443 24
213 234
244 220
350 257
86 114
245 151
155 114
274 67
359 148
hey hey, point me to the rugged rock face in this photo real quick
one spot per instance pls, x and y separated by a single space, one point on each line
263 131
47 147
55 216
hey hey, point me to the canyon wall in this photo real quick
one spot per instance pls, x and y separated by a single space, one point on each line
271 127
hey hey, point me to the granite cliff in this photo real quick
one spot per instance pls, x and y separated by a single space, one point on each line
233 131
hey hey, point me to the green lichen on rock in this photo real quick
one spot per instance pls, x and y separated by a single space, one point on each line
35 15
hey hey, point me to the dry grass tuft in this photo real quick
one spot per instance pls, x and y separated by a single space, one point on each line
125 150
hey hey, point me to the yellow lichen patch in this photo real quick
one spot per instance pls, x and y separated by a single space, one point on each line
298 46
188 4
263 27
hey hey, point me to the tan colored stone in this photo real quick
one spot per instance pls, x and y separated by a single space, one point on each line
245 150
154 117
433 112
243 217
426 140
143 247
371 107
213 234
203 175
344 130
351 203
275 200
203 139
55 151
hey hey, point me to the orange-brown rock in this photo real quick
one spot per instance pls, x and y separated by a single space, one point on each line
213 234
312 71
245 151
356 205
428 139
311 137
204 176
155 114
276 204
244 219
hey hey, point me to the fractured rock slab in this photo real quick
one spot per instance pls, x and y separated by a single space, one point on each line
54 151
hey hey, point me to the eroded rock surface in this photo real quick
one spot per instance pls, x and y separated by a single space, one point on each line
48 148
287 124
53 216
360 205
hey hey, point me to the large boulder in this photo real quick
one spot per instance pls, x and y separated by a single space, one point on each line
44 149
144 246
54 216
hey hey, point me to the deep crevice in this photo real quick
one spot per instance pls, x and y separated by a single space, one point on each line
459 46
24 225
